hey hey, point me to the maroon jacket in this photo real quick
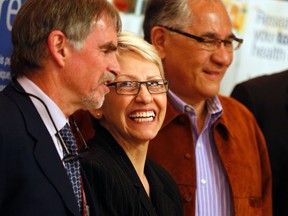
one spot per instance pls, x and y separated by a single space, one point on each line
242 150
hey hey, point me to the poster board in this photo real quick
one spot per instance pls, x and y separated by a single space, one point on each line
263 24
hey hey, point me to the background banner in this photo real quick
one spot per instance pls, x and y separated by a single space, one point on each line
8 10
263 24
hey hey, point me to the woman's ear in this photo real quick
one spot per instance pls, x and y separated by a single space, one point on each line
96 113
158 39
57 45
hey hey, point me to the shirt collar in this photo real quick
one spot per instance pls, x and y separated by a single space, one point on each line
56 114
214 106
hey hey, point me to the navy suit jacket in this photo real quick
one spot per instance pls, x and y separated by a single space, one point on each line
33 179
267 98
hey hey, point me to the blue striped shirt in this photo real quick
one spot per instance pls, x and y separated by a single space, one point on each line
213 196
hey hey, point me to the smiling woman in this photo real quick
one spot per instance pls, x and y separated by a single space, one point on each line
124 182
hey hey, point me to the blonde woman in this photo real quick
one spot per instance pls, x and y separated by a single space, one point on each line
124 182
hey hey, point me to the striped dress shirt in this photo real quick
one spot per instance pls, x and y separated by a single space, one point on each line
213 196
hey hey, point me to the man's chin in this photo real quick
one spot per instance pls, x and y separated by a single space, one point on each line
94 102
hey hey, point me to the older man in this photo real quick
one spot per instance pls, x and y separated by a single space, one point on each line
63 57
211 144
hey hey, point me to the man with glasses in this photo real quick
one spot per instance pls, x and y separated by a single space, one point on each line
209 143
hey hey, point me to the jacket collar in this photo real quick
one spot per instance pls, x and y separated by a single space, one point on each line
110 144
173 114
44 151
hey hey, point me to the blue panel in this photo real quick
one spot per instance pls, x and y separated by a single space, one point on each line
8 11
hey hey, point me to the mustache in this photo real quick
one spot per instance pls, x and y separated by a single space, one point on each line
107 78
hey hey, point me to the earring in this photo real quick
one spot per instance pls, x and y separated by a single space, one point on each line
98 114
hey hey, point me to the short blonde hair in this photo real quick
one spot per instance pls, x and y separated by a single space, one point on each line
130 42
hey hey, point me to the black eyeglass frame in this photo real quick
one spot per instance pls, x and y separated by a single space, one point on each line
201 39
165 83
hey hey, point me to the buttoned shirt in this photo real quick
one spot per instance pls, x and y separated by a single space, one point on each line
213 193
56 114
240 146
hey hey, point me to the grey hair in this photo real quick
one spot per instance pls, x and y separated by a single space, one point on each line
37 18
130 42
171 13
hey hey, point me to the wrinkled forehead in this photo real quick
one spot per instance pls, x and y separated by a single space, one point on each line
210 16
200 8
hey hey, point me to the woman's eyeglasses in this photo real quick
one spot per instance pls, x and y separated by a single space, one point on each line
158 86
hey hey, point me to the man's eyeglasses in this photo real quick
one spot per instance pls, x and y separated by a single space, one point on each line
158 86
211 44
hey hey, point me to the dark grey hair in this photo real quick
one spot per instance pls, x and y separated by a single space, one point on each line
172 13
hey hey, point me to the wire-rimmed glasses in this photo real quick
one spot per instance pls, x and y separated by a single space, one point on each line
157 86
211 44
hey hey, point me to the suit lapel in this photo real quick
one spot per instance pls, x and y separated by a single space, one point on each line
45 152
128 168
157 188
51 165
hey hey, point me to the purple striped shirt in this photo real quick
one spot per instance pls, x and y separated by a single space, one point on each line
213 191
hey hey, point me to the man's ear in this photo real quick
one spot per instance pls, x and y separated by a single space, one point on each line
57 45
158 39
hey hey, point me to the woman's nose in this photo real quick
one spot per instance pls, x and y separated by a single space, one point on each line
144 96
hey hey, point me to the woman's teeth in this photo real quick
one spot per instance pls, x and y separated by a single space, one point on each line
143 116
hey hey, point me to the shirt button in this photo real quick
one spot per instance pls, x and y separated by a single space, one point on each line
188 156
188 109
203 181
199 145
188 198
